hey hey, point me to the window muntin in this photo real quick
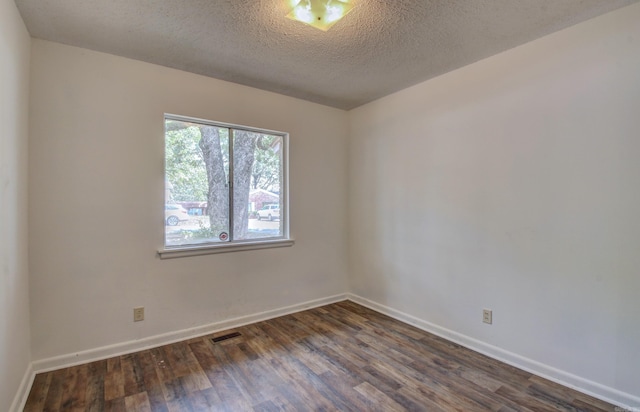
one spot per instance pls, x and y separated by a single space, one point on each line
202 158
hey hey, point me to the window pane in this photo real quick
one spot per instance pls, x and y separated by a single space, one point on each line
257 180
201 206
196 179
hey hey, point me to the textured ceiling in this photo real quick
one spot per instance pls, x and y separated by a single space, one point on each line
379 48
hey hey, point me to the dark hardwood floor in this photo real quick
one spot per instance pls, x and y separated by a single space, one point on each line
337 357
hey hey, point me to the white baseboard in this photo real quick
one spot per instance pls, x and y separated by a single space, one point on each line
586 386
605 393
23 390
104 352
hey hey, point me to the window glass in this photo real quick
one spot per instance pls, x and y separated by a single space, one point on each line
223 184
257 164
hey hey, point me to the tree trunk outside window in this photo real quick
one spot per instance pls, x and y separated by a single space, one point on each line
218 196
244 145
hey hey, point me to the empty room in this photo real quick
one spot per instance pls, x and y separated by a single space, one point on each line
302 205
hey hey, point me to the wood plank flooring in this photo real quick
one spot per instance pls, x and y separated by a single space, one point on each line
338 357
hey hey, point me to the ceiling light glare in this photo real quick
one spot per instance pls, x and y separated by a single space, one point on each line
334 13
302 12
321 14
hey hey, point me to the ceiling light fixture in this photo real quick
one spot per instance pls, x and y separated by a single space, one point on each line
321 14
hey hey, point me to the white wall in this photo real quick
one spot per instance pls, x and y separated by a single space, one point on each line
14 277
96 190
513 184
510 184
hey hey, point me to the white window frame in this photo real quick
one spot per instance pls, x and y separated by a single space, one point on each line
285 240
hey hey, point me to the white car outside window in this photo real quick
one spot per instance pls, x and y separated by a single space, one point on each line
269 212
174 214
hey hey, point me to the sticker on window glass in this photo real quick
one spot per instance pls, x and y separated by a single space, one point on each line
223 236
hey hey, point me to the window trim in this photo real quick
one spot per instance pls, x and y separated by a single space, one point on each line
285 240
238 246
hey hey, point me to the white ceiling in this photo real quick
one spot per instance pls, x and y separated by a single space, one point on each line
379 48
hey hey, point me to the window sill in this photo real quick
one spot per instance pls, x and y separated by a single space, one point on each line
178 252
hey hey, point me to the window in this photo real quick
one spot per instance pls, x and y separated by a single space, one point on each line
225 187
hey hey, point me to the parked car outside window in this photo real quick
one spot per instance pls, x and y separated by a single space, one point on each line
269 212
174 214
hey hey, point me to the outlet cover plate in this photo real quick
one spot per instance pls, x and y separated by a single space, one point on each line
138 314
487 316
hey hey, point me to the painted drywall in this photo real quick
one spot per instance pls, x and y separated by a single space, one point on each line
512 185
14 277
96 190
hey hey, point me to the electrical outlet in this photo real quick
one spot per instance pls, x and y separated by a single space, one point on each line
487 316
138 314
